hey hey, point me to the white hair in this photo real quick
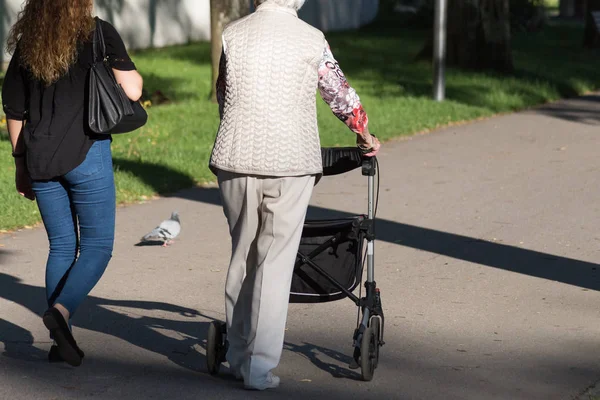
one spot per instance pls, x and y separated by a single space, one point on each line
295 4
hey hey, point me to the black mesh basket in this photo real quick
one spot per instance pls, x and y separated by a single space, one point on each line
331 248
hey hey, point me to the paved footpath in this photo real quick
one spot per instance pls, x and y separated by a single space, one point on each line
488 266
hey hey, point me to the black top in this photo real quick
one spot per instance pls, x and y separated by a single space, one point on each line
57 136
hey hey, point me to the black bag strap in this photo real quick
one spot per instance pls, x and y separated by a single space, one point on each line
99 46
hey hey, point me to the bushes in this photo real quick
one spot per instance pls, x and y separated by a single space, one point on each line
527 15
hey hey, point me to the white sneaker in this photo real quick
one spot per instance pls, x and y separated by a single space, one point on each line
271 381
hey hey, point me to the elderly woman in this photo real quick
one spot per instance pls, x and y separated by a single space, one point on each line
267 156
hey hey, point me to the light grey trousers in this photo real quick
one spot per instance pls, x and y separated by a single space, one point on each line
265 217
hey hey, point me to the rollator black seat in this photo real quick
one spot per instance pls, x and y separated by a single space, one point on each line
321 227
340 160
332 247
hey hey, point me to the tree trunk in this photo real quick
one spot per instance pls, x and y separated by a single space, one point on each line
580 8
3 30
567 8
572 8
478 35
591 35
222 12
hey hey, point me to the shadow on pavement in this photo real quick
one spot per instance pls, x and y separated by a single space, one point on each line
510 258
18 343
149 243
581 110
128 379
99 315
312 352
3 256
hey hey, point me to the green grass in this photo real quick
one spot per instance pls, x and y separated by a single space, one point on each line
172 151
551 4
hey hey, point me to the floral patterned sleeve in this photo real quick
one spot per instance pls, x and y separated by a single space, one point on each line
342 99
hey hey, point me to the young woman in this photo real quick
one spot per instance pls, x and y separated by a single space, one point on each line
58 160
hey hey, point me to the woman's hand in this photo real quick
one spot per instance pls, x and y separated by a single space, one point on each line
23 181
369 144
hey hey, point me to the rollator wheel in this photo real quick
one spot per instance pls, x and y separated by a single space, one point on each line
369 350
377 330
215 347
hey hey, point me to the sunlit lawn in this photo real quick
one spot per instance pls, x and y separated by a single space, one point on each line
172 151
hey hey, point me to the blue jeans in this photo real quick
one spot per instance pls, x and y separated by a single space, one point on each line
78 210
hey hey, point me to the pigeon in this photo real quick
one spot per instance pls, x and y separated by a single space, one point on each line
166 232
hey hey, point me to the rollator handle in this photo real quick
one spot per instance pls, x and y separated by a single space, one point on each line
368 166
339 160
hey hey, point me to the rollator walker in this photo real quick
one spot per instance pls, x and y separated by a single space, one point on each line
330 265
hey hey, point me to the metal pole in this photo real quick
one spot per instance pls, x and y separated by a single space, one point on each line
439 50
370 243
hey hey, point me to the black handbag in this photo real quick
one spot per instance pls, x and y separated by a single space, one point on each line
109 109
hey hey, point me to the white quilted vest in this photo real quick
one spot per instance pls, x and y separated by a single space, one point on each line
269 124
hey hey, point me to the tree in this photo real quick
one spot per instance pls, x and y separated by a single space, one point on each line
591 36
478 35
4 24
222 12
572 8
567 8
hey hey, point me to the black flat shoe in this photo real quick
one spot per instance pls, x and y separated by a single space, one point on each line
54 355
67 347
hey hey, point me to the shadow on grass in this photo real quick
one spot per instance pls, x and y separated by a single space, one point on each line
510 258
198 53
161 178
161 90
384 54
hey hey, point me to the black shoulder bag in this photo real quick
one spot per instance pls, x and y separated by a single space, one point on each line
110 111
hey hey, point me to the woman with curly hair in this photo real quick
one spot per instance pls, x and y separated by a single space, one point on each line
58 159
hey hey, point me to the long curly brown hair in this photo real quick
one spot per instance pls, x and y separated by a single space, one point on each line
48 32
